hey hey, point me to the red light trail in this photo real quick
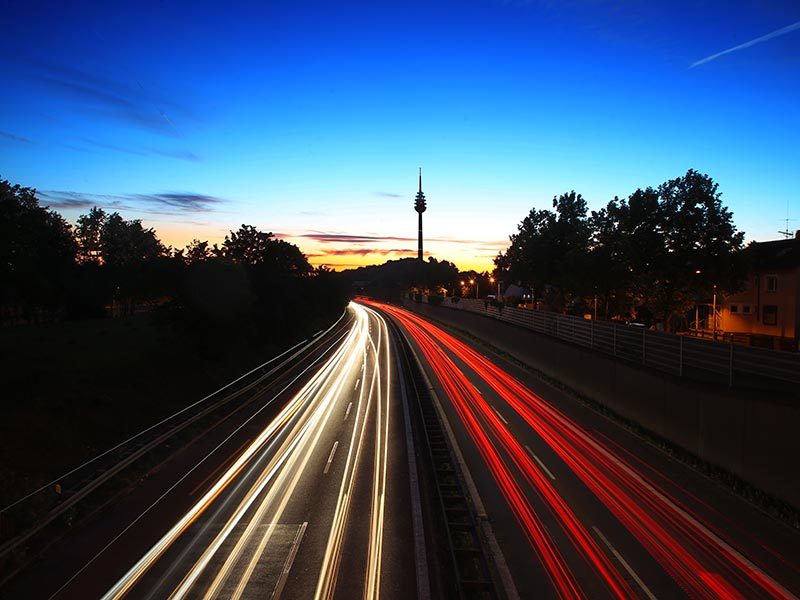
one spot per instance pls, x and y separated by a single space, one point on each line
694 553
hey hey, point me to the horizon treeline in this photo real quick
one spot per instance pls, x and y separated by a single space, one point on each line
251 285
651 256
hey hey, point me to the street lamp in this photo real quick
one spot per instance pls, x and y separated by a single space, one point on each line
714 312
472 282
492 280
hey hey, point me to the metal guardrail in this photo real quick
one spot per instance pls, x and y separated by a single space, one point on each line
675 354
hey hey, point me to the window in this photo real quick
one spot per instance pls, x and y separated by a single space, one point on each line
746 309
734 309
772 283
770 315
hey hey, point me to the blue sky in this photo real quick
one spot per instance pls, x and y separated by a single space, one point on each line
310 119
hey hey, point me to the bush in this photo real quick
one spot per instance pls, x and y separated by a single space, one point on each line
455 299
435 300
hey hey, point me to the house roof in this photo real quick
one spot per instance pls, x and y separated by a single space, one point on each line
777 254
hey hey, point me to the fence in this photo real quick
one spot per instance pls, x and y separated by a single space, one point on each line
676 354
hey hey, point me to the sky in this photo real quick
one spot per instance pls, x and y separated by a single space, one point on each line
311 119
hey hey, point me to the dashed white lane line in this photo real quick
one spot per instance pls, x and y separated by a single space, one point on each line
356 385
502 418
330 458
287 566
624 563
347 413
540 463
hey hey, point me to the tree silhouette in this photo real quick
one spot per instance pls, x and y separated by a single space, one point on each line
88 234
37 253
659 251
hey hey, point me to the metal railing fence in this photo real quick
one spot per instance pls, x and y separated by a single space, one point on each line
675 354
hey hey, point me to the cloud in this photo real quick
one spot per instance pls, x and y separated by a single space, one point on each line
177 154
184 202
753 42
166 203
14 138
353 239
388 195
347 238
366 251
126 102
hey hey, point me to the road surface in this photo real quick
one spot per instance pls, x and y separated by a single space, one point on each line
313 502
581 507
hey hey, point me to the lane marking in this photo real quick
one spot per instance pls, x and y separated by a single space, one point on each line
347 413
622 561
540 463
357 382
330 458
502 418
287 566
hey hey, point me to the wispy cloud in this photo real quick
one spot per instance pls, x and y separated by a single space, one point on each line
367 251
177 154
388 195
353 239
166 203
182 202
14 138
128 102
347 238
758 40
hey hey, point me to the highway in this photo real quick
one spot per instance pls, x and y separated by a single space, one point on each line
314 503
582 508
306 491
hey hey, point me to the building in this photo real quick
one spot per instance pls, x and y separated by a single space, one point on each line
767 312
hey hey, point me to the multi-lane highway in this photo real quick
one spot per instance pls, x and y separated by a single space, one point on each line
579 506
301 512
314 503
309 490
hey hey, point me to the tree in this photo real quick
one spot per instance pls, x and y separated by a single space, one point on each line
551 250
88 234
37 252
247 245
658 251
128 244
528 259
197 251
627 249
702 246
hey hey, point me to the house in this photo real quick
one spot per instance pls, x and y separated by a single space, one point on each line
767 312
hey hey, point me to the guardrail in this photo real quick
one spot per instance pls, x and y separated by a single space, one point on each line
675 354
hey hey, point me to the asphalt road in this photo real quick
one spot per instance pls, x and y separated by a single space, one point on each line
581 507
310 498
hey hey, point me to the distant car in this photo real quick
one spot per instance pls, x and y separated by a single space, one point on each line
491 297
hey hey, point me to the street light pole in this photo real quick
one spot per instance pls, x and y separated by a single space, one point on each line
714 312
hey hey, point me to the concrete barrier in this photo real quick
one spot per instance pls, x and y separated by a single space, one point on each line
753 435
